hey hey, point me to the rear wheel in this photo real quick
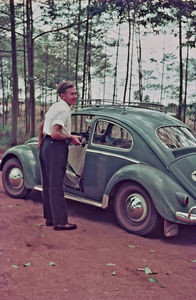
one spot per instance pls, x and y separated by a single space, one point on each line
13 179
134 210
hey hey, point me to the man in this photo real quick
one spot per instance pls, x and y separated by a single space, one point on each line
54 138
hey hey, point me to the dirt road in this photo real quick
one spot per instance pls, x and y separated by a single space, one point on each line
97 261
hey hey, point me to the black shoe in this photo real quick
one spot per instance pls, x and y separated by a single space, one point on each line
67 226
49 222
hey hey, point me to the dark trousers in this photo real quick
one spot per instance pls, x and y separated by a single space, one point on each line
53 160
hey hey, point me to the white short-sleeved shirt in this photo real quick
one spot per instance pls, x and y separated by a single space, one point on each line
58 114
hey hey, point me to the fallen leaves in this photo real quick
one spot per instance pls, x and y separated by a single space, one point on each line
148 271
11 205
15 266
193 260
152 279
110 264
27 265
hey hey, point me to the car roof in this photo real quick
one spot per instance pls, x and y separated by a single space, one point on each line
135 116
143 121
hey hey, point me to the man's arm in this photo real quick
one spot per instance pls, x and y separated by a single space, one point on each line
40 134
57 134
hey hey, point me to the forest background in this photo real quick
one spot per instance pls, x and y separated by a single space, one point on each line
45 42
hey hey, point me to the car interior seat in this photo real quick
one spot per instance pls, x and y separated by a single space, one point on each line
75 166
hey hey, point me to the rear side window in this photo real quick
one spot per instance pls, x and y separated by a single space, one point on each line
176 137
112 135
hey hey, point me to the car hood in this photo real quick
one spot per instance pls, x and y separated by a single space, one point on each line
184 170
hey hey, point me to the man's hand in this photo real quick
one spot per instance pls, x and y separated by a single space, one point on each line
76 139
57 134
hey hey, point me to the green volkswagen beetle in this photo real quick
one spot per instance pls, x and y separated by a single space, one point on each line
140 160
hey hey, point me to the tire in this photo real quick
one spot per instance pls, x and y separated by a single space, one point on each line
13 179
134 210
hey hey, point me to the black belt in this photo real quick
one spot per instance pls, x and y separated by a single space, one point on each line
67 141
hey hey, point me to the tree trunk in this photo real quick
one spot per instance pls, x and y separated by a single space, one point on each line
128 56
27 124
139 58
186 82
116 67
85 54
30 57
179 115
89 96
3 90
104 77
14 76
131 63
68 42
46 80
163 71
78 46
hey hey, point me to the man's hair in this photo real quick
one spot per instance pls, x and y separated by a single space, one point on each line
63 86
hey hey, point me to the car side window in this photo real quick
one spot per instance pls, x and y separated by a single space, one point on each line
112 135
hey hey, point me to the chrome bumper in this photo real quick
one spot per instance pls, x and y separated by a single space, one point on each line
187 217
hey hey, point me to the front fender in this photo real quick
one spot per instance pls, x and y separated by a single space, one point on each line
29 159
160 186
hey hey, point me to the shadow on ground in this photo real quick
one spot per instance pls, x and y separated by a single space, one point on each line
186 236
81 210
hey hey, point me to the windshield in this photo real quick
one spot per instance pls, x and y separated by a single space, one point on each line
176 137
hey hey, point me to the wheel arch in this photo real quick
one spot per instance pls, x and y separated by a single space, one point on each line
159 186
117 185
28 161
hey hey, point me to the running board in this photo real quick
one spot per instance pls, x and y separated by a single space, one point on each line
81 199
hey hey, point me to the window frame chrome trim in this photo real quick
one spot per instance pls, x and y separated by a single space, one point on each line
113 155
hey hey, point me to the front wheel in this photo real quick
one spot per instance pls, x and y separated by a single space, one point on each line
134 210
13 179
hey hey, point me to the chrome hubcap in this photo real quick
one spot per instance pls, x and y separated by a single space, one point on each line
15 178
136 207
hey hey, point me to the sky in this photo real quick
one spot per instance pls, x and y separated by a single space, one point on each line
152 47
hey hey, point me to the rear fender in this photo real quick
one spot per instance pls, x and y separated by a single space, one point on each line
29 161
161 188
